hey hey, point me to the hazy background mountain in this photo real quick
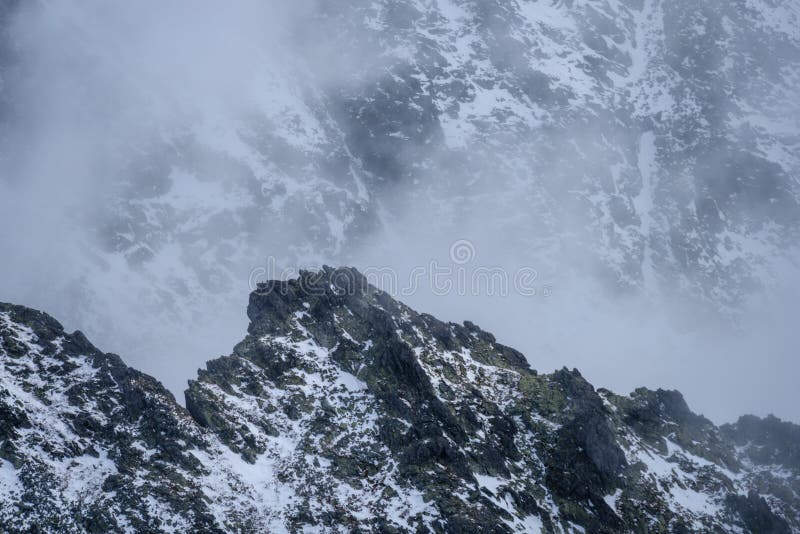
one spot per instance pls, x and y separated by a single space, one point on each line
641 156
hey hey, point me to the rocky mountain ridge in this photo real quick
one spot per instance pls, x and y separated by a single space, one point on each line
344 410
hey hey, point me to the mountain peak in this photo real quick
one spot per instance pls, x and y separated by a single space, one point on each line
343 408
454 415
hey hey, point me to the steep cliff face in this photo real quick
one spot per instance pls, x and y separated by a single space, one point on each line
343 409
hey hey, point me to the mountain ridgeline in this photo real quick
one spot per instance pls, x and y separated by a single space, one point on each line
343 410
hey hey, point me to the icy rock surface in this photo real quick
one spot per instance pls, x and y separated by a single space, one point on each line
344 410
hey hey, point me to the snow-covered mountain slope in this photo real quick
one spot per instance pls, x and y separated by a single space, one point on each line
661 136
345 410
652 142
88 443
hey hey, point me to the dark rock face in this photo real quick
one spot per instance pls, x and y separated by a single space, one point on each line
768 441
756 514
344 410
771 449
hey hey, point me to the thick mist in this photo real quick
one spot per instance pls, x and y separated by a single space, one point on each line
155 155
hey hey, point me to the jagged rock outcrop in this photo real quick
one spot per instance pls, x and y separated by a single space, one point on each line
345 410
88 444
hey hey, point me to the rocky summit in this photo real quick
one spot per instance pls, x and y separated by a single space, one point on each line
343 410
